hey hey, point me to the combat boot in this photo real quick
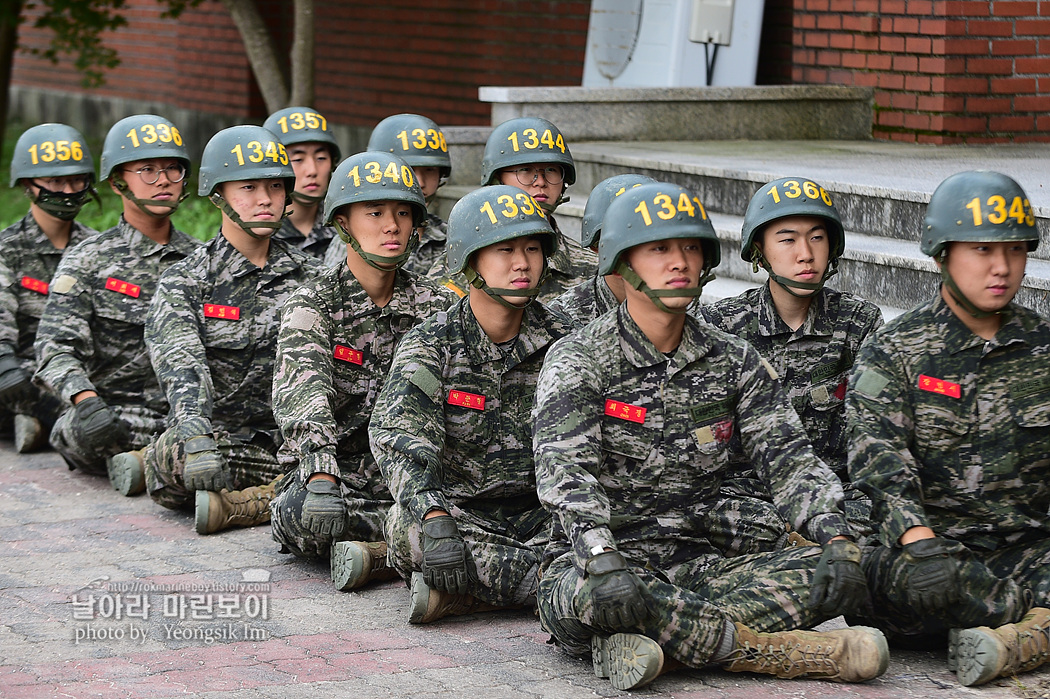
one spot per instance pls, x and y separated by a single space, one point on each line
629 660
856 654
356 563
233 508
429 605
30 434
127 472
981 654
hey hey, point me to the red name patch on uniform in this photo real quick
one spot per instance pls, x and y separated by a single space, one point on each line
840 392
625 411
933 385
34 285
214 310
466 400
122 287
347 354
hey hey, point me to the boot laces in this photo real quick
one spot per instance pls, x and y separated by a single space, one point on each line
799 657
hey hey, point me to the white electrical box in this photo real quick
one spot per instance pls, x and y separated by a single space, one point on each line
712 22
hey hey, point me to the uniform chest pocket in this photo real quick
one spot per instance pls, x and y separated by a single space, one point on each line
626 439
468 428
826 397
129 307
1031 411
226 333
938 428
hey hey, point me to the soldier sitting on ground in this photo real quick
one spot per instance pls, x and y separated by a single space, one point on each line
90 342
949 418
54 167
212 335
451 429
337 339
637 418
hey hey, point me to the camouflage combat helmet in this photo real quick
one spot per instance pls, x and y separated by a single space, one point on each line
242 153
142 137
598 203
651 212
302 125
415 139
522 141
791 196
374 176
493 215
54 150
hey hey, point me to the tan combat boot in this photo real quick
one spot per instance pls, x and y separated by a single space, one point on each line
856 654
981 654
30 434
629 660
430 605
356 563
233 508
127 472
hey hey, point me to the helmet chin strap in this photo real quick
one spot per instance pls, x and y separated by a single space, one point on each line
307 199
269 226
759 260
143 204
956 292
549 208
636 282
380 262
62 205
497 294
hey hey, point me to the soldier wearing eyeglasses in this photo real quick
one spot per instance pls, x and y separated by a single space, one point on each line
53 166
90 346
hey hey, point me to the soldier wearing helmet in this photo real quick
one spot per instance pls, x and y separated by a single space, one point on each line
90 340
337 339
638 417
806 331
419 142
597 295
211 332
451 428
530 154
949 417
53 166
313 154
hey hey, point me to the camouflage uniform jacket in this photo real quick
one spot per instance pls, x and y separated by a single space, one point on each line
91 334
952 432
212 336
431 246
316 244
586 301
813 362
631 446
452 423
333 355
28 262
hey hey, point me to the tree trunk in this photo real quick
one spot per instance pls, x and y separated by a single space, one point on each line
262 52
10 16
302 80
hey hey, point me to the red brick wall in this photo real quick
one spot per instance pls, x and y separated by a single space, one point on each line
372 59
944 71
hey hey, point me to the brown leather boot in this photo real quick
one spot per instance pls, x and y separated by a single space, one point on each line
430 605
856 654
629 660
981 654
127 472
233 508
356 563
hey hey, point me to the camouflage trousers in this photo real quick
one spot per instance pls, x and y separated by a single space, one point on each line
248 463
506 544
40 404
142 424
366 515
688 614
996 587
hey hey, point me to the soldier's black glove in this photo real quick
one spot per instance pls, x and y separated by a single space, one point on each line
839 586
324 512
97 426
447 563
616 593
14 380
205 465
928 571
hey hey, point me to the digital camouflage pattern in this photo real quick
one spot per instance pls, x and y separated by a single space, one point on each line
585 301
320 239
28 262
333 354
952 432
568 266
431 247
813 362
90 337
451 431
212 337
631 447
